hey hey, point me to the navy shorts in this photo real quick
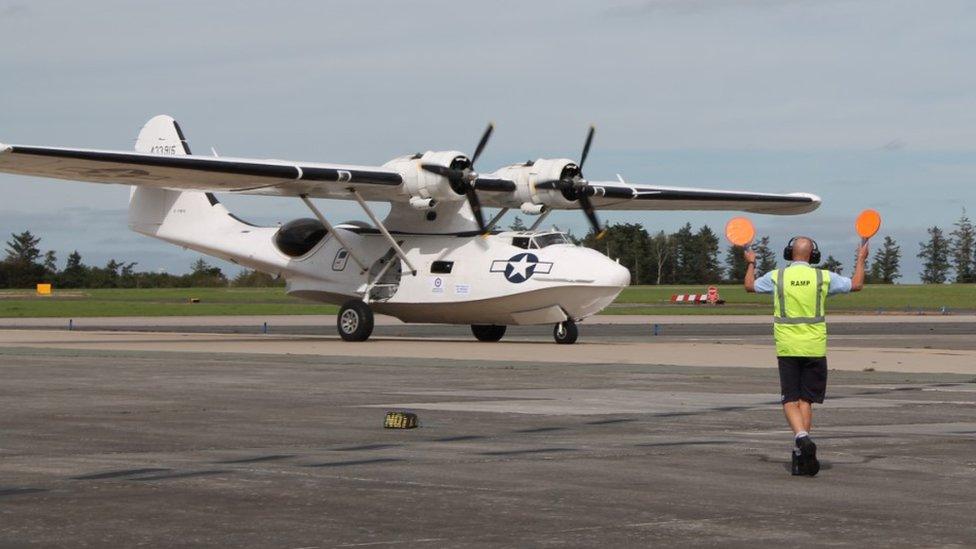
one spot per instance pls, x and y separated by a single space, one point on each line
803 378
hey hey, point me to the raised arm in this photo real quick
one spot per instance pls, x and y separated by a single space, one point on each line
750 279
857 281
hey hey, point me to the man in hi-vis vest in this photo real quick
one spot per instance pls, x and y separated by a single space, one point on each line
800 329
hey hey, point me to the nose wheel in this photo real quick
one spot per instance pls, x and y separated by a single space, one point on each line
355 321
565 332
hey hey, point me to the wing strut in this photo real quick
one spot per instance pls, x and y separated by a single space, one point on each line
494 221
376 280
542 217
382 228
332 231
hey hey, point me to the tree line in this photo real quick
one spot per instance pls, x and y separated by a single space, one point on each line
949 257
686 256
690 256
25 265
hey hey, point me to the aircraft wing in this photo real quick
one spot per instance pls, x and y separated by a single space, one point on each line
199 173
623 196
317 180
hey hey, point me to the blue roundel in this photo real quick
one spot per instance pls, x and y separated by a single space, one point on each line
521 267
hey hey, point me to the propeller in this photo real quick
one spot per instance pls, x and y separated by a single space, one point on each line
573 186
462 177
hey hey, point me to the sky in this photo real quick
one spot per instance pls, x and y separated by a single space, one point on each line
867 104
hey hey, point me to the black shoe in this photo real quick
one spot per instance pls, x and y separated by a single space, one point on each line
798 467
808 456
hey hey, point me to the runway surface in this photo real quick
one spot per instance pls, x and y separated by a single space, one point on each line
183 437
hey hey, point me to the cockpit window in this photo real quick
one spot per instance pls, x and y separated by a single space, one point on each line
521 242
543 240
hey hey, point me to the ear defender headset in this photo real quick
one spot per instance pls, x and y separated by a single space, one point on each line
814 254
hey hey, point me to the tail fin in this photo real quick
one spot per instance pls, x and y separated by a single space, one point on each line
150 207
162 135
192 219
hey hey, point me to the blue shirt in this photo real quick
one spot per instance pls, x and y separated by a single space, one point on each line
838 284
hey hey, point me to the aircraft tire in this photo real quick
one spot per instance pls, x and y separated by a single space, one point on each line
565 332
355 321
486 332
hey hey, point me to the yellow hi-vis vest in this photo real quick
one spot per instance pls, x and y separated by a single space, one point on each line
799 321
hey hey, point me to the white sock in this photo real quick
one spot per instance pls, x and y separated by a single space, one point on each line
800 435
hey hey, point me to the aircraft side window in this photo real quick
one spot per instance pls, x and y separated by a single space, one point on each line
296 238
521 242
441 267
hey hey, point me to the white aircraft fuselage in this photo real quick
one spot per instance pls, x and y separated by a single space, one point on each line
465 280
504 278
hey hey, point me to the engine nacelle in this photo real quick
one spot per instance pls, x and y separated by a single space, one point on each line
423 185
528 174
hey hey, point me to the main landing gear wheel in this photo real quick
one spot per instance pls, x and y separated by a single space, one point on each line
565 332
488 332
355 321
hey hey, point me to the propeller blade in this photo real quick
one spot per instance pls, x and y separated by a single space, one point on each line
586 147
466 181
476 208
449 173
554 184
494 185
482 143
587 207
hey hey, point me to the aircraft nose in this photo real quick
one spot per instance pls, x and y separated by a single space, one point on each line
618 275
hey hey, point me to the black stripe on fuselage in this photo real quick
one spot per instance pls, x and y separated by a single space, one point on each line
212 198
249 224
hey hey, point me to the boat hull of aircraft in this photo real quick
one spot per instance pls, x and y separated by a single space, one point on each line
540 306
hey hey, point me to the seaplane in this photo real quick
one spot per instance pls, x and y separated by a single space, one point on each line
434 258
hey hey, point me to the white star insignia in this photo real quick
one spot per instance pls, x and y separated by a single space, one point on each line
521 267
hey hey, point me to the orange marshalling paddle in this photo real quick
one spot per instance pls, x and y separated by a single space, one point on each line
868 223
740 231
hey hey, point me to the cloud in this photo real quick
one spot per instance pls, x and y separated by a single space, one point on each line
651 7
14 10
765 95
894 145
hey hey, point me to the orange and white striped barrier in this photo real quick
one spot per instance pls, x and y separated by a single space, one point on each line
711 297
689 298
